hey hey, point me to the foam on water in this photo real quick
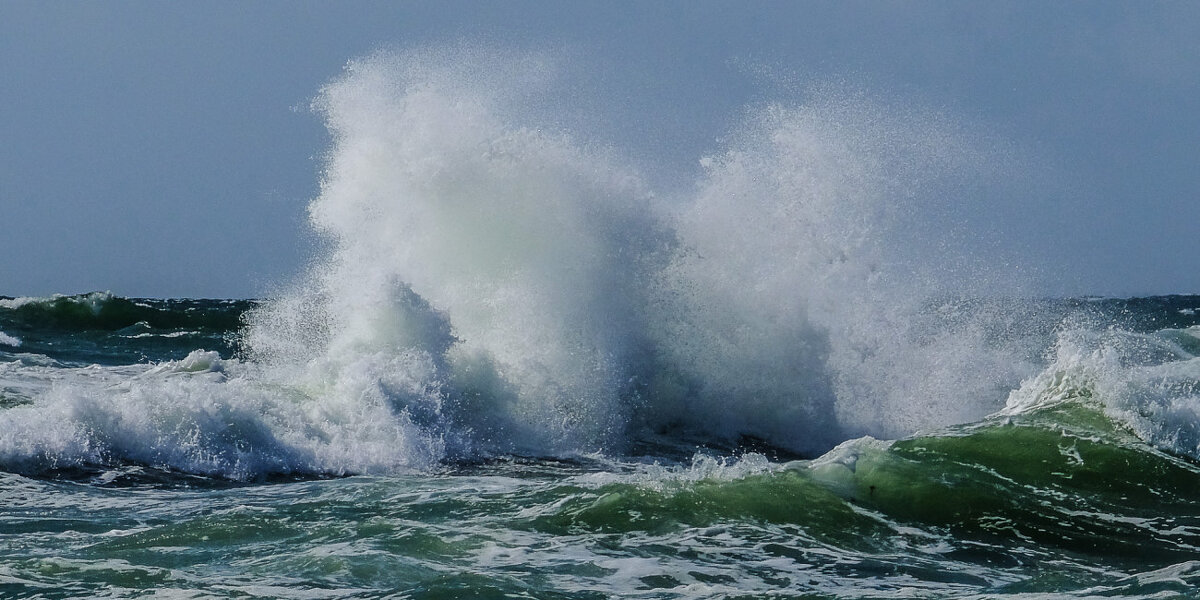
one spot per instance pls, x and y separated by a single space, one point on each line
495 285
510 257
209 416
797 307
8 340
1149 382
562 304
93 301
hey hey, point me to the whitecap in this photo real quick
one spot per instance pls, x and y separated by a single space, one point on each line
8 340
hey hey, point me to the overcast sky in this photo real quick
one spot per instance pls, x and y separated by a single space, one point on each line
166 149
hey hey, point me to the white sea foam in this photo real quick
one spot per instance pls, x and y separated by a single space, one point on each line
95 300
798 308
560 302
1146 381
8 340
512 257
494 285
211 416
18 302
173 334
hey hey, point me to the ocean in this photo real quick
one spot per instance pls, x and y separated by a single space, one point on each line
520 367
135 464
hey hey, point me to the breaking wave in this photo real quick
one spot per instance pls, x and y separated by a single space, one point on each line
495 286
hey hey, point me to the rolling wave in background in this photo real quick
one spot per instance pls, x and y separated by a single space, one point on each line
600 360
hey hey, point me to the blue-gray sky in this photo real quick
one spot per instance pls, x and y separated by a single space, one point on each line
165 149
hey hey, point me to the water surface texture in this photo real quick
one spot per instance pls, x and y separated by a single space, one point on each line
522 369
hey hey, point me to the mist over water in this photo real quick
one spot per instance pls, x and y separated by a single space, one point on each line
528 365
535 294
494 286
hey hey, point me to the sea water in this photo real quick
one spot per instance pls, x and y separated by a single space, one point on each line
522 369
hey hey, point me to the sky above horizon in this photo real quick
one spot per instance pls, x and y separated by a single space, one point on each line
167 149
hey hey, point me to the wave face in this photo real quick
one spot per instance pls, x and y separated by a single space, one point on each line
106 329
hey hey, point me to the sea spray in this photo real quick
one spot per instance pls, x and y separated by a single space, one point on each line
8 340
530 251
214 417
802 305
500 300
793 296
1147 382
494 286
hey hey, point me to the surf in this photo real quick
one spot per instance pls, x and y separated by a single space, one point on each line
565 306
494 285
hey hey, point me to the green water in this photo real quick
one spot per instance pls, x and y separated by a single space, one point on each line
1065 493
996 510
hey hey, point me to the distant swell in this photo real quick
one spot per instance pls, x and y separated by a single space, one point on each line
104 311
103 328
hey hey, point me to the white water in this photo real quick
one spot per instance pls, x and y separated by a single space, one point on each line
493 285
1150 383
208 416
563 304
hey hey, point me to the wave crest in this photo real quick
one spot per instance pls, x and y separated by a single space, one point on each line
496 286
565 306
